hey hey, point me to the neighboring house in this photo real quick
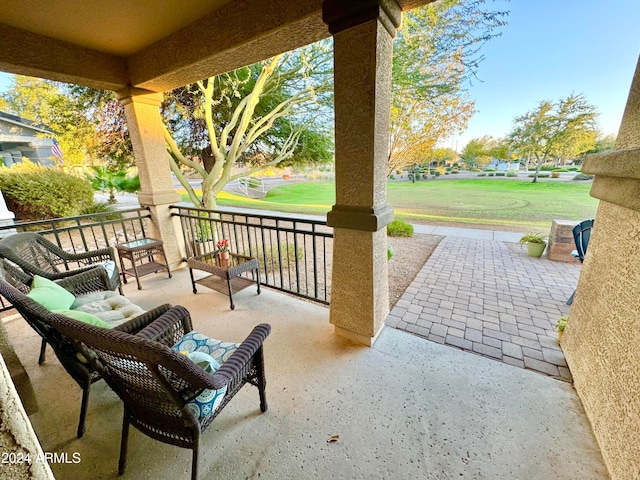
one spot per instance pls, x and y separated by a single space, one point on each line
22 138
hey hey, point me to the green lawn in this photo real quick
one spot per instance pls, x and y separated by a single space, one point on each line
509 204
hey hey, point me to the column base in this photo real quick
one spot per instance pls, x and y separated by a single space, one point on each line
356 337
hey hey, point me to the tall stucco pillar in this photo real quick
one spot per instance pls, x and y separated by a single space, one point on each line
142 110
363 35
602 338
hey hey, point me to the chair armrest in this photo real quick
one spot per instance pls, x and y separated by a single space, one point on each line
94 256
235 364
136 324
93 279
169 327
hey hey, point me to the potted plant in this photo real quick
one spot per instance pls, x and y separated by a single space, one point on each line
223 251
535 244
559 327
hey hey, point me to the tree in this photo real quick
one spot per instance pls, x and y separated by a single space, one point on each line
435 55
555 129
480 151
254 115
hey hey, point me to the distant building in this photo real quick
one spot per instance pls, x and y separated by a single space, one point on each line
502 165
22 138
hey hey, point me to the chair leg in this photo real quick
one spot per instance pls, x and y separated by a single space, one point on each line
84 406
124 442
194 458
570 301
43 348
262 382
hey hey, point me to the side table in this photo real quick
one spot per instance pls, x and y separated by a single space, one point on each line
228 270
142 256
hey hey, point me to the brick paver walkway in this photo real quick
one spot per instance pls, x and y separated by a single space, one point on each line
491 298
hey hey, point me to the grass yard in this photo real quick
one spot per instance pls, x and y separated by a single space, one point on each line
502 204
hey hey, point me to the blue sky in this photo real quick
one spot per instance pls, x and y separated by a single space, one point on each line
549 50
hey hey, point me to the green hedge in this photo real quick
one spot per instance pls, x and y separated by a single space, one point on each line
38 193
399 228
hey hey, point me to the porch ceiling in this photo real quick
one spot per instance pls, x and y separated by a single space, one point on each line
152 44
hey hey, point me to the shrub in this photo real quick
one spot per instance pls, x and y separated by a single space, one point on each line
399 171
476 170
488 170
500 174
455 171
399 228
482 174
572 169
391 176
555 174
560 170
583 176
288 253
540 175
491 174
33 192
102 207
511 173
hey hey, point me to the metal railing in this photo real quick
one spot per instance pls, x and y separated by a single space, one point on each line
88 232
294 253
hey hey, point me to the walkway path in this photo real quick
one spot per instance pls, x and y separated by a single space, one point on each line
488 297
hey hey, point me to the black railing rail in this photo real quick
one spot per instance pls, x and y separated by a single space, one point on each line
295 254
86 232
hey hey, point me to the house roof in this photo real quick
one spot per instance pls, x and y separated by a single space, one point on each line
23 122
156 45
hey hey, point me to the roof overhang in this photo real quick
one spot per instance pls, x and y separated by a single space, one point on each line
155 45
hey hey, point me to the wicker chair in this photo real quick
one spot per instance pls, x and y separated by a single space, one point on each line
38 256
158 383
14 285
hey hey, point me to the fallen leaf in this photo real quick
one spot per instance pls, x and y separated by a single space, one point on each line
333 438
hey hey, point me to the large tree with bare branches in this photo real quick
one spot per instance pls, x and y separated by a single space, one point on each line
255 115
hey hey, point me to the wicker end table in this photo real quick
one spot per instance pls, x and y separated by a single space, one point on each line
229 271
142 256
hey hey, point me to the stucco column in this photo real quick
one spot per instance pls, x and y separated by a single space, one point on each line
363 47
602 338
142 110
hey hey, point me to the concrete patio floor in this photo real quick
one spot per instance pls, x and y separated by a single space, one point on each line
407 408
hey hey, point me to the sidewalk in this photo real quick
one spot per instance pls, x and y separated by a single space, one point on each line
476 233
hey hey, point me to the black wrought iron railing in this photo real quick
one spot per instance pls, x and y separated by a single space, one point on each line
89 232
295 254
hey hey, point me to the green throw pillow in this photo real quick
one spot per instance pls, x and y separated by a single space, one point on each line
49 294
83 317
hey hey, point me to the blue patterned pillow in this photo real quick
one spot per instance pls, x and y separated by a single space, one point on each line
207 402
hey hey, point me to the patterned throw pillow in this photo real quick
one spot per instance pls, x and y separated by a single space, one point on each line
207 402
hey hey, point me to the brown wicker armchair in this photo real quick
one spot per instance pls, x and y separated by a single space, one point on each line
14 285
38 256
158 384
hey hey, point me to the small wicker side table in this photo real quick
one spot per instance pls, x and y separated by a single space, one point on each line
141 254
236 265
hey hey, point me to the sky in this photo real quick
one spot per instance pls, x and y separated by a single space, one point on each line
549 50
